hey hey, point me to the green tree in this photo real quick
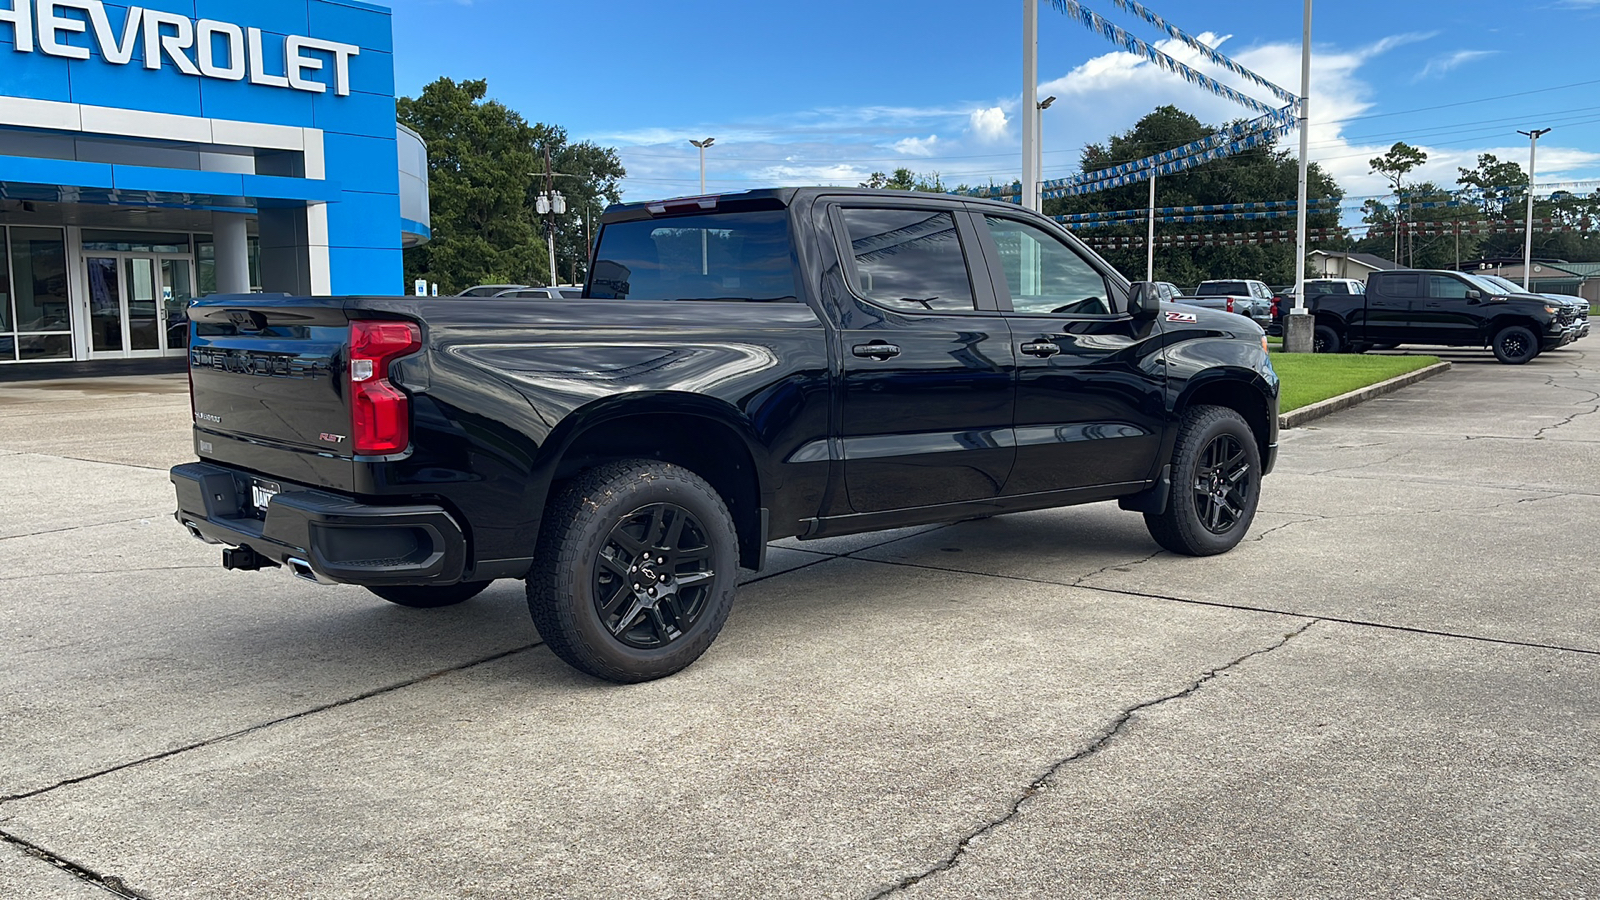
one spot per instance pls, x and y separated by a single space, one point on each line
1260 173
904 179
486 167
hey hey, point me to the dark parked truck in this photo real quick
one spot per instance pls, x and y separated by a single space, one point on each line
1426 306
740 368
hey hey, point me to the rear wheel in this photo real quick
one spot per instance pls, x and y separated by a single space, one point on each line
1515 345
1216 484
429 596
1324 340
635 571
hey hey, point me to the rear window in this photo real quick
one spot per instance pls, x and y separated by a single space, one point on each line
714 256
1221 288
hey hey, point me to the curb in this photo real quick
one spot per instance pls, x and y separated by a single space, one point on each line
1304 414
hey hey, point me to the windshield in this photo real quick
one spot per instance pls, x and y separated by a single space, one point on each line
712 256
1489 284
1221 288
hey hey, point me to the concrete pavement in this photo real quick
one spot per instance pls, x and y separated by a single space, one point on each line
1390 688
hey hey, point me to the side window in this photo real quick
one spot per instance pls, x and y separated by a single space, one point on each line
1262 291
1044 275
1443 287
909 258
1401 285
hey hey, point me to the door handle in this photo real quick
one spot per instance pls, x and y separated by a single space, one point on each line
878 350
1041 349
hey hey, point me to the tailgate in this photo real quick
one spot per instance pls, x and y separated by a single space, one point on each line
268 386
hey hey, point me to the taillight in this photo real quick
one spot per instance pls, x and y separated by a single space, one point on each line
1230 304
380 413
1274 307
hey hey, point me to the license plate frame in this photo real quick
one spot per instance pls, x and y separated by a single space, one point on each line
262 492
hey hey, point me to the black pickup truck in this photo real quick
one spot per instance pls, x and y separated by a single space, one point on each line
1429 306
740 368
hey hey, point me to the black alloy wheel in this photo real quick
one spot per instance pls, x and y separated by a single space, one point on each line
1216 484
1224 481
653 576
1515 345
635 571
1324 340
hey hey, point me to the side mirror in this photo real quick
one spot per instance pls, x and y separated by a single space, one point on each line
1144 298
1474 295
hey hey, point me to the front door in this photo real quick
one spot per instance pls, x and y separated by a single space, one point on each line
137 304
1090 380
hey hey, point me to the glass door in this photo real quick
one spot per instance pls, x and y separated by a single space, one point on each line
138 304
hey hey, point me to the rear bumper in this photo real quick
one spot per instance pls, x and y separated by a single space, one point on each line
321 535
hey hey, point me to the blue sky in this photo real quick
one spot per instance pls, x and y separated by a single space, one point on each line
825 92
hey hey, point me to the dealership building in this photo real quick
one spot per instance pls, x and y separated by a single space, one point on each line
152 154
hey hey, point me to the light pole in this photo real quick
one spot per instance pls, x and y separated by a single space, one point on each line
1030 100
1527 244
1298 328
705 259
703 145
1150 235
1038 153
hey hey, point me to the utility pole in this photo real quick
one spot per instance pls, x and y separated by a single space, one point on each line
550 205
1038 153
1527 243
1298 328
1030 102
1150 236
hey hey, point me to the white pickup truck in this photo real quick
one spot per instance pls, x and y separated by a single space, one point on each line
1243 296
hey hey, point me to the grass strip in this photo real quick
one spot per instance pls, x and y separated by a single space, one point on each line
1310 377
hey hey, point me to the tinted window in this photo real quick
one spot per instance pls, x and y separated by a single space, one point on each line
1444 287
908 258
715 256
1223 288
1043 274
1401 285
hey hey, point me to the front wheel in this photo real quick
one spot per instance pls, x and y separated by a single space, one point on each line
635 570
1515 345
427 596
1216 484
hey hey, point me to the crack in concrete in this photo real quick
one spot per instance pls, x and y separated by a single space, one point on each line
1116 565
1396 514
111 884
1377 462
12 537
4 578
335 704
1042 783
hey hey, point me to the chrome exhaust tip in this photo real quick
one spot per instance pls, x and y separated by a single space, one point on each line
299 568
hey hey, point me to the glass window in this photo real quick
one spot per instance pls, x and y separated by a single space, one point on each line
909 258
1401 285
714 256
1044 275
39 280
1444 287
134 241
5 293
205 258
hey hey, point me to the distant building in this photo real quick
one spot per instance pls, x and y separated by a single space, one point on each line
1331 264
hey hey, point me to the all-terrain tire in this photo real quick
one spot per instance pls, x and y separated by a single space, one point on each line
597 554
1216 484
429 596
1325 340
1515 345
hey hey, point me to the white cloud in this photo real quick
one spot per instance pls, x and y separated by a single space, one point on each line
916 146
1439 65
988 124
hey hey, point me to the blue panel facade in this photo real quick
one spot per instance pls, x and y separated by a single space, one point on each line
359 145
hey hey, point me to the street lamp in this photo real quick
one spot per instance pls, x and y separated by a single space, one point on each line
705 258
1527 244
703 145
1038 153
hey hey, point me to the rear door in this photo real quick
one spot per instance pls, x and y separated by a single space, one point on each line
926 357
1388 313
1090 383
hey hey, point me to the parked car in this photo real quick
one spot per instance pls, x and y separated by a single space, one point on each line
1167 291
1283 300
843 361
1428 306
490 290
1578 304
1245 297
543 293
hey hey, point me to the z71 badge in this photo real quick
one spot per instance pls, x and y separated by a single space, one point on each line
1182 317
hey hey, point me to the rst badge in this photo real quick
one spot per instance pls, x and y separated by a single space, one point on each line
1182 317
332 438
